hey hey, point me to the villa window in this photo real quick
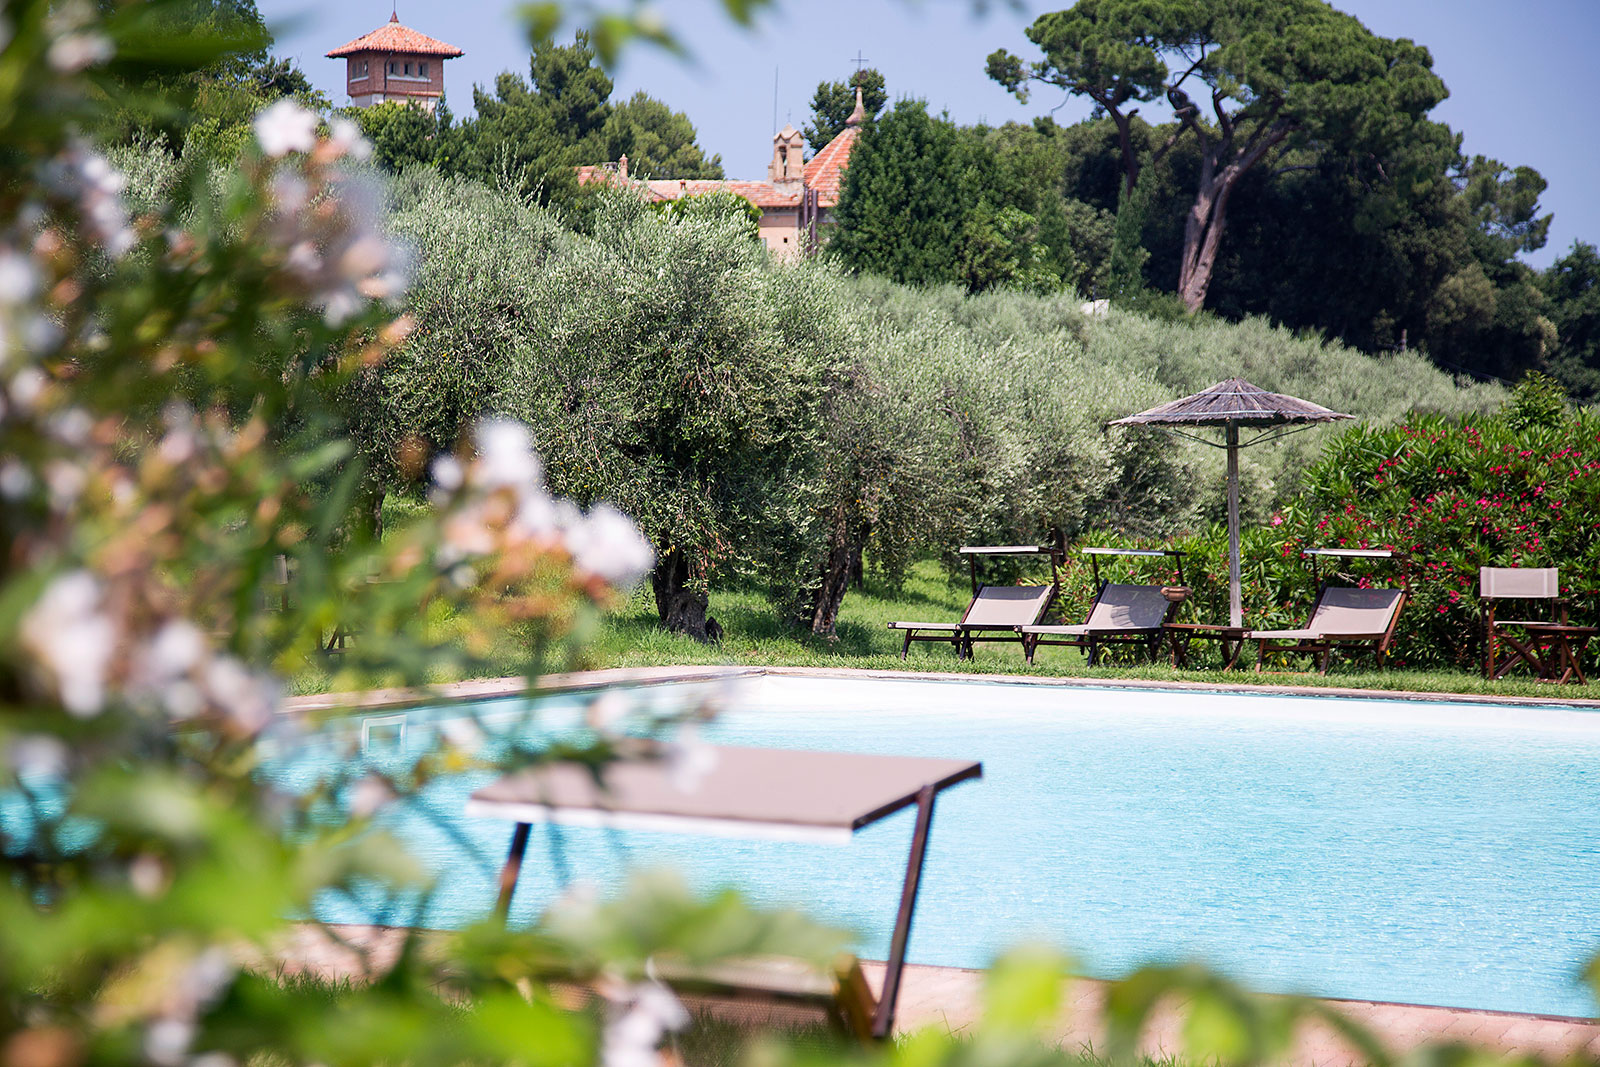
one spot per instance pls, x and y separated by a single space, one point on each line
408 68
422 69
392 66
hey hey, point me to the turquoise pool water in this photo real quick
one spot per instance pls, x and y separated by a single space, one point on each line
1386 850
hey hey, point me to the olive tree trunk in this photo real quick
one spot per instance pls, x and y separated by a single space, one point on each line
841 567
681 601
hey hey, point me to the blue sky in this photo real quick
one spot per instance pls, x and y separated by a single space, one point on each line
1517 71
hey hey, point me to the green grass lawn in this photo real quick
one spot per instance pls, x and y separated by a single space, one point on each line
755 635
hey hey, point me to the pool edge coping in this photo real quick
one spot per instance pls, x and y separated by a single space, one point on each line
577 681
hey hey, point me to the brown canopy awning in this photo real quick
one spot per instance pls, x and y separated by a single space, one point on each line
745 792
1233 401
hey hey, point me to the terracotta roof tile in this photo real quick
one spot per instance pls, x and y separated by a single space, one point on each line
761 194
825 171
393 37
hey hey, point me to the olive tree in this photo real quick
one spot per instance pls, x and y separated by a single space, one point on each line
678 372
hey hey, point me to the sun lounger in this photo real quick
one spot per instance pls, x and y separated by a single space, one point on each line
1352 619
749 793
1121 615
996 611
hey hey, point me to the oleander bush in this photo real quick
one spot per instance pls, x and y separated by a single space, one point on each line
1516 488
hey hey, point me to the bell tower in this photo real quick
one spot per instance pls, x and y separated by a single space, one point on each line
788 162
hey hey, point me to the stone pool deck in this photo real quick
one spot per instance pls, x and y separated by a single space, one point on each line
490 688
950 998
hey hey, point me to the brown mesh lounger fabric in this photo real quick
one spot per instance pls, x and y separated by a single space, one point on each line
1121 615
995 614
1356 620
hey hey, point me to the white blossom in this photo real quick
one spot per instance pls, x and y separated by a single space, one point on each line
607 711
207 976
18 278
304 259
636 1024
368 795
27 385
290 191
505 456
36 755
346 139
72 426
39 334
166 1041
72 52
689 760
248 699
15 480
97 186
286 127
147 875
608 545
175 650
339 306
464 734
447 473
66 481
72 641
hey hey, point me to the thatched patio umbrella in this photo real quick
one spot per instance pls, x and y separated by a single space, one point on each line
1231 405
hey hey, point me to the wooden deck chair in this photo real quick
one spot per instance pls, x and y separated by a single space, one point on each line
1121 615
1343 617
995 614
1527 584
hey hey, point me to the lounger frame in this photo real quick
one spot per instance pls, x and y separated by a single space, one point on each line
1035 635
1094 638
963 635
1322 647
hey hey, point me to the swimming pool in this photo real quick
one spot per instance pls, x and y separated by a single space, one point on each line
1374 849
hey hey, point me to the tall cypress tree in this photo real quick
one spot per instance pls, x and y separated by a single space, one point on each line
1125 273
904 204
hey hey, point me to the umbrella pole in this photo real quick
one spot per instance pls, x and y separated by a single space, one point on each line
1235 594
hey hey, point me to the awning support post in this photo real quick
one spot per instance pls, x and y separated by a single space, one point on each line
1235 593
512 870
883 1019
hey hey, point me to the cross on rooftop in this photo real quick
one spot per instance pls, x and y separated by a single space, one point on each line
859 61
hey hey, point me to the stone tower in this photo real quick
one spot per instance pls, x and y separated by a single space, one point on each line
788 160
395 62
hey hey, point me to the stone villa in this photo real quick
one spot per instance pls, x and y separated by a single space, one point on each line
795 198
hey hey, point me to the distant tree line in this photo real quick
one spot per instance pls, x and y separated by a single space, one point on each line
1306 184
528 134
